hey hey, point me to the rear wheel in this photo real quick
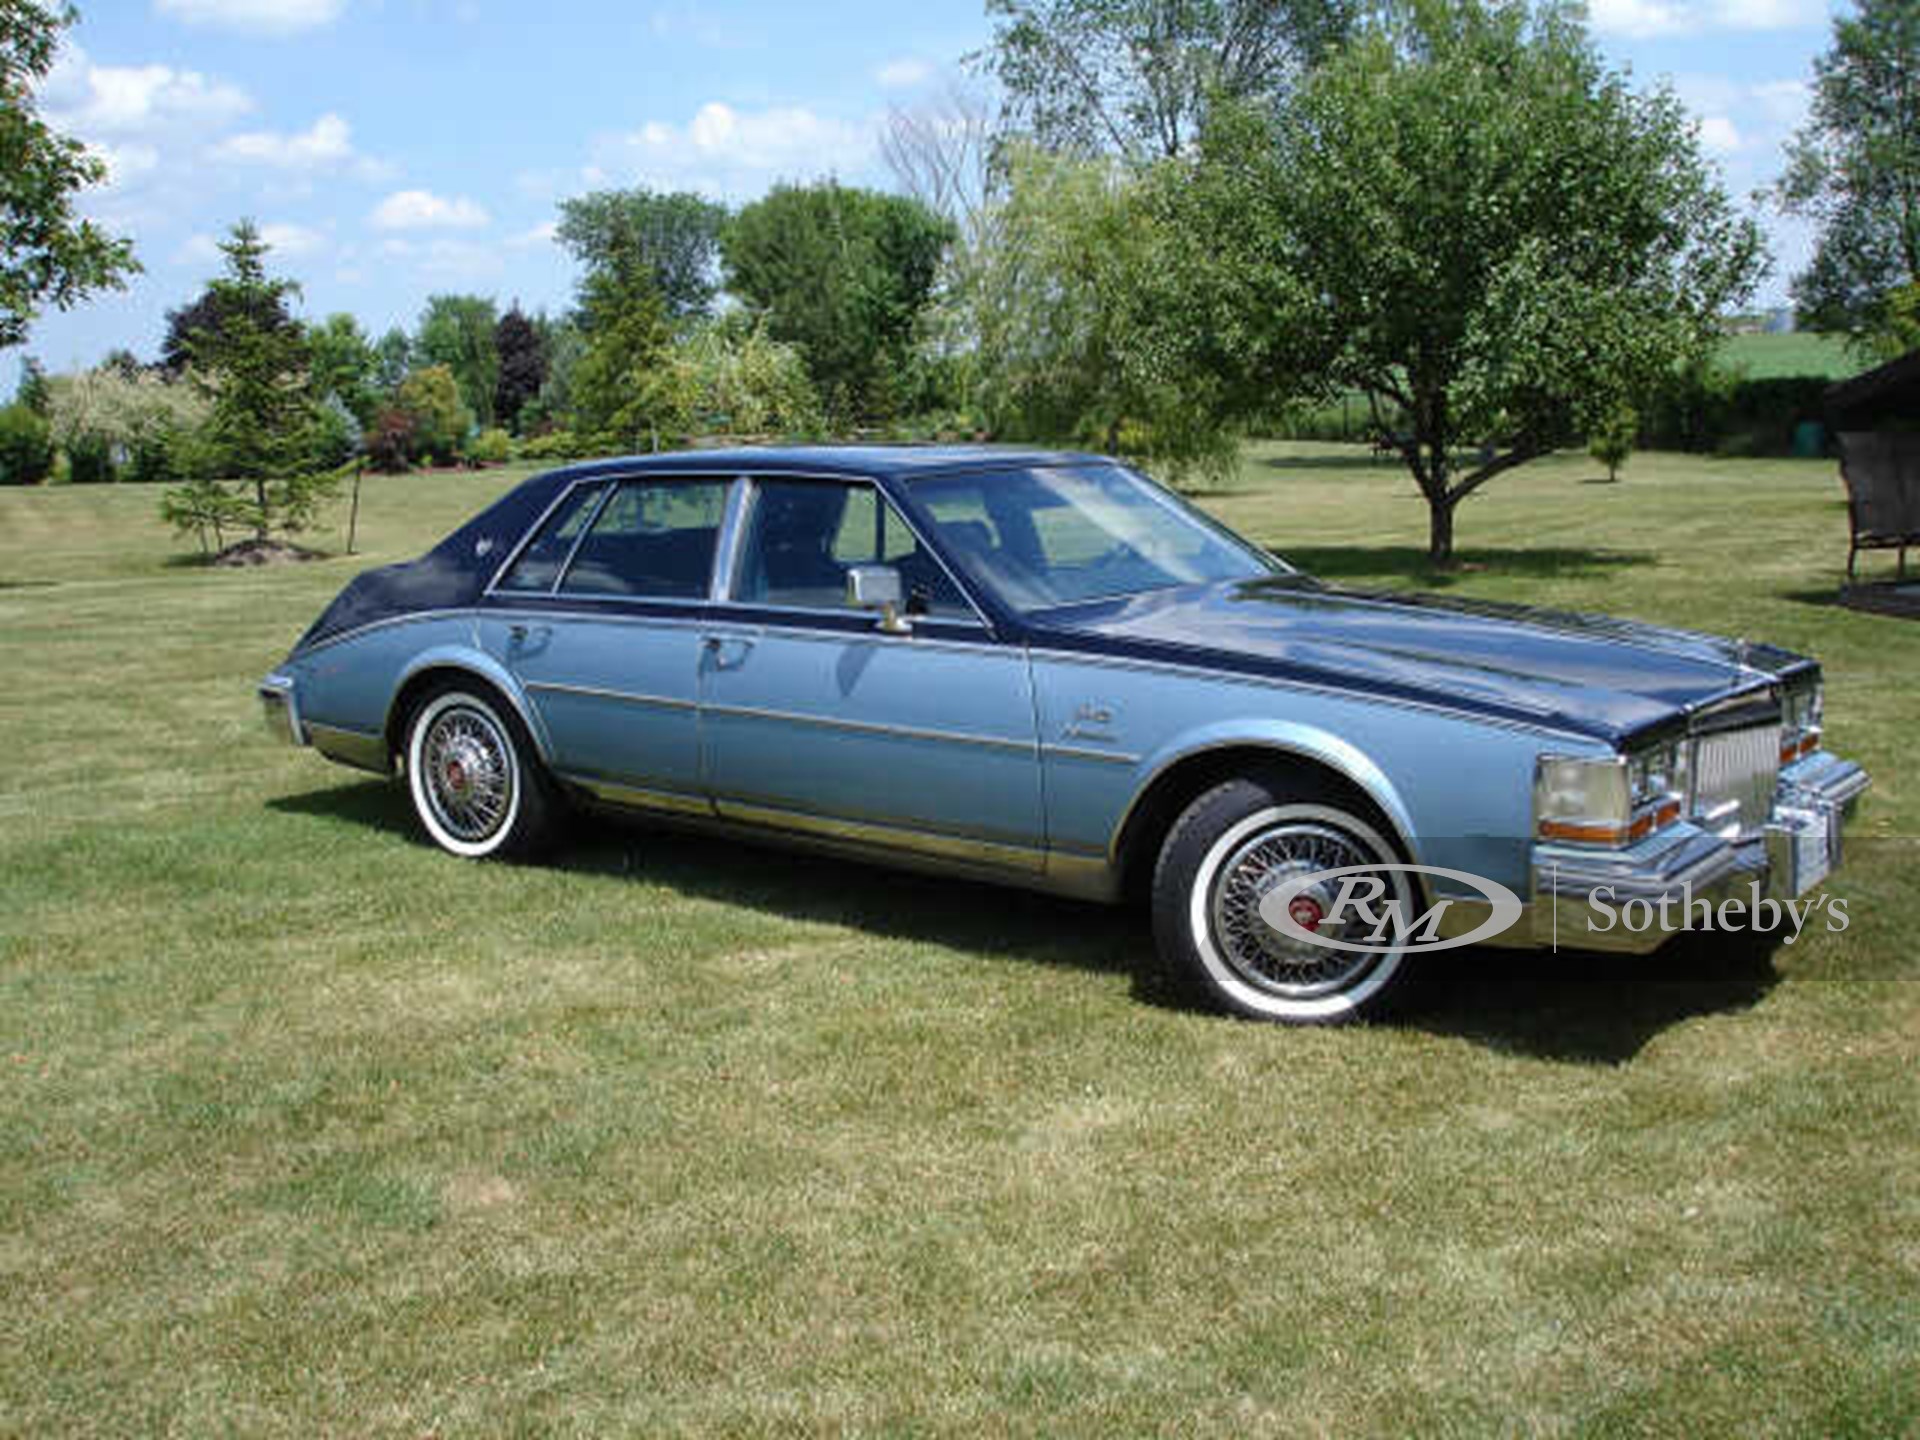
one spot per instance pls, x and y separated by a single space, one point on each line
478 787
1237 844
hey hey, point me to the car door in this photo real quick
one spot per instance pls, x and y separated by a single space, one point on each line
599 618
813 718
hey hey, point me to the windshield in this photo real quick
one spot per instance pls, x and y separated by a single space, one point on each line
1061 535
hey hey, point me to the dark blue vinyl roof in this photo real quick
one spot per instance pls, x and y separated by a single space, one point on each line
874 461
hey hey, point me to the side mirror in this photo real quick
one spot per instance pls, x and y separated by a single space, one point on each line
877 587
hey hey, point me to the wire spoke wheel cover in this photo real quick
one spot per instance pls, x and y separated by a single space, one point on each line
464 772
1258 969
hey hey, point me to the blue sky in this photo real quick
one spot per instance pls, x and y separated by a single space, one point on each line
394 148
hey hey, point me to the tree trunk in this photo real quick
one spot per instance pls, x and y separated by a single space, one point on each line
1439 532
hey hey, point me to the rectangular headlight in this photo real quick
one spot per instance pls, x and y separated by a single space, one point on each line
1583 799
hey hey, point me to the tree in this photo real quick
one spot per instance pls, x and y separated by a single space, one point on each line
212 313
260 430
430 398
523 365
392 360
1612 439
48 256
941 150
1135 77
344 366
113 422
457 331
1854 170
674 237
843 274
615 381
726 378
33 390
1052 318
1464 217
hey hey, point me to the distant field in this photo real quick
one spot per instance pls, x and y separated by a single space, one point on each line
1764 356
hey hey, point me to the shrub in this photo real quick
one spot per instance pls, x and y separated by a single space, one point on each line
440 419
490 447
390 442
112 424
554 445
91 459
26 446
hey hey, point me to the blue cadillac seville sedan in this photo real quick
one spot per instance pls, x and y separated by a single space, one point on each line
1044 669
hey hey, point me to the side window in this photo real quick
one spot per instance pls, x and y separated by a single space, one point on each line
653 538
803 535
539 564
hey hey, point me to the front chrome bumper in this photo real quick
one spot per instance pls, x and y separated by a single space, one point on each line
280 707
1683 866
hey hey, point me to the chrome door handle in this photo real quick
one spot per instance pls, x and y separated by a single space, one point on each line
728 651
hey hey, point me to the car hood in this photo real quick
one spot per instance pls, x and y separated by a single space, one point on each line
1602 677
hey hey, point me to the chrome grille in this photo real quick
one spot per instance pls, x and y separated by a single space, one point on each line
1736 768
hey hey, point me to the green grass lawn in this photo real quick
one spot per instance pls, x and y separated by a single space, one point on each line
308 1129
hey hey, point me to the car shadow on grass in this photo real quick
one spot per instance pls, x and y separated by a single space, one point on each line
1584 1007
1567 1006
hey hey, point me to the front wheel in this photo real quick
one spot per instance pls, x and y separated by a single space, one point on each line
477 786
1235 845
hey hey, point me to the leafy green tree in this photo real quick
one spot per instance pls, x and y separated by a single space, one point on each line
392 360
1611 441
843 274
1854 170
1135 77
565 343
33 390
26 446
260 429
1466 218
113 422
211 313
48 255
732 379
1051 315
522 349
674 237
615 382
344 366
457 331
431 398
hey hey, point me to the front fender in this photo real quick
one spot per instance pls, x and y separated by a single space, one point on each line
1283 737
475 661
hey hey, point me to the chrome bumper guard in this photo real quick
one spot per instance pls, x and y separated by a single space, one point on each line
280 707
1797 848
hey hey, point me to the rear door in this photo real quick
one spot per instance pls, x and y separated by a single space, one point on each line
601 623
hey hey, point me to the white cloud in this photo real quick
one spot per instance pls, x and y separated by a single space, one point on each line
326 146
1646 19
103 100
538 235
264 17
423 210
726 151
903 73
1720 135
